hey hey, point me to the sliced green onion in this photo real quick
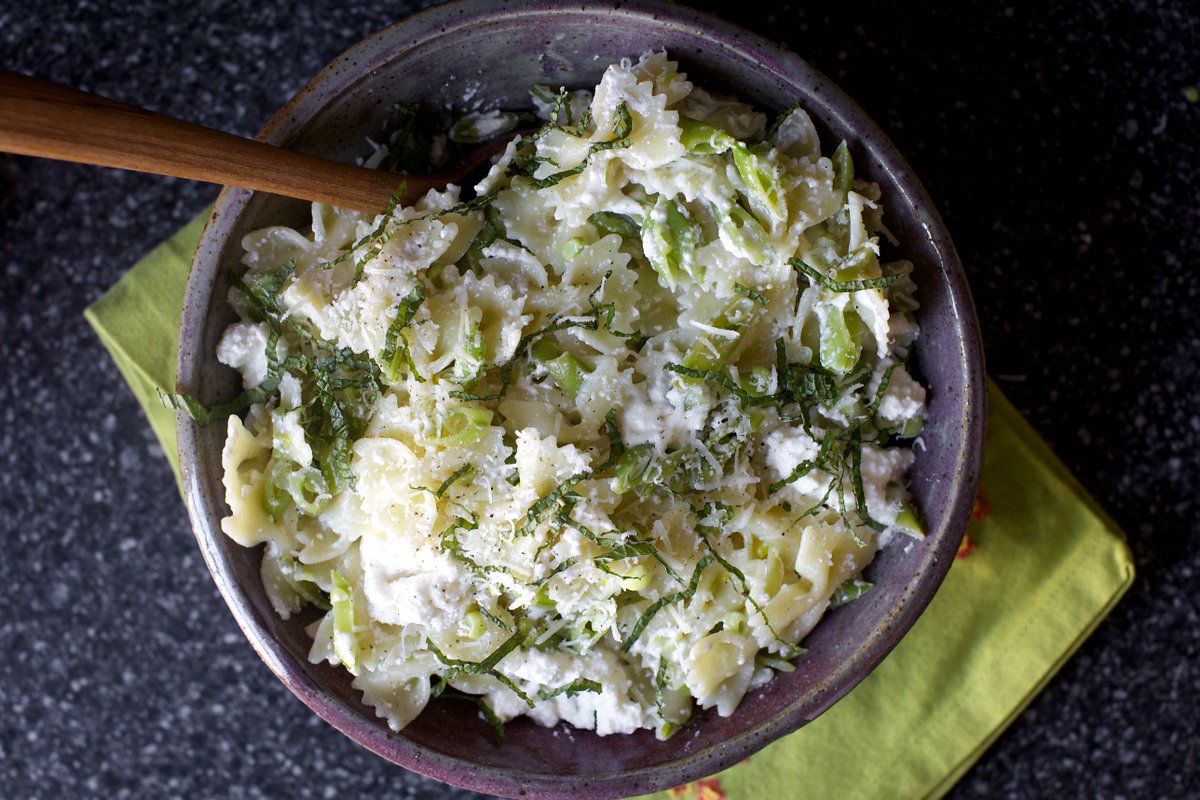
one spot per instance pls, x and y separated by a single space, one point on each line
341 600
701 138
852 589
472 625
670 237
566 370
462 425
843 170
625 226
764 187
908 521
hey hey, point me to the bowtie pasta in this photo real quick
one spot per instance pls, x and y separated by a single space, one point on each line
601 444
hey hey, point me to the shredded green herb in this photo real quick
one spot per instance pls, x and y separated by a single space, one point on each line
485 667
834 285
492 230
660 686
560 567
545 504
806 466
446 484
684 594
622 128
448 541
492 618
616 447
754 295
577 686
207 414
395 354
860 498
339 386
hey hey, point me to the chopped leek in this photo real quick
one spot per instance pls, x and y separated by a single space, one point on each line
461 426
843 170
669 239
341 600
852 589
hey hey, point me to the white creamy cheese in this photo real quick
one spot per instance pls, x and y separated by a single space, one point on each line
243 346
904 398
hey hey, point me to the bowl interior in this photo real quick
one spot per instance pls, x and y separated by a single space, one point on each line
480 55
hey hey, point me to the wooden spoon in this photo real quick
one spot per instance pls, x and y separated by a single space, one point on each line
39 118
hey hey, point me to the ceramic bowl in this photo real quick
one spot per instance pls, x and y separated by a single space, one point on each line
495 50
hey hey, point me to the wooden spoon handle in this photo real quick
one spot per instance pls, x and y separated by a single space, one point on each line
40 118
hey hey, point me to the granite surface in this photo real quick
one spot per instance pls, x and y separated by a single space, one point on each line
1061 141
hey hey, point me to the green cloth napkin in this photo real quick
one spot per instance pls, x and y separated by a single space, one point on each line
1044 566
138 321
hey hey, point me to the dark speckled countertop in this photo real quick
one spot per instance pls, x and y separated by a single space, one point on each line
1061 141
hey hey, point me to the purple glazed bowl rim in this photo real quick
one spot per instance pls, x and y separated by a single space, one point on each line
337 78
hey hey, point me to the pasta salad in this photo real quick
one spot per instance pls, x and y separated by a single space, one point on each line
599 445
